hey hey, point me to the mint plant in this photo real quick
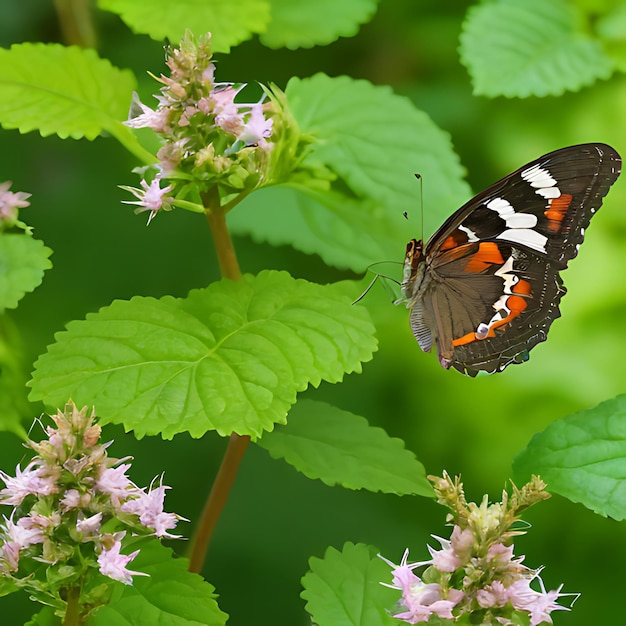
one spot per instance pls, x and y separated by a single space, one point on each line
324 165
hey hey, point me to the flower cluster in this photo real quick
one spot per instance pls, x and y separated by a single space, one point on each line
475 572
221 146
74 510
10 202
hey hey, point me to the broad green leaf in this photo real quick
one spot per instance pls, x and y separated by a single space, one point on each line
61 90
229 22
343 588
304 24
375 142
338 447
583 457
23 261
169 595
230 357
521 48
611 27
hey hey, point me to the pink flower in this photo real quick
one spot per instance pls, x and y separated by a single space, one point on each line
539 604
150 197
444 560
421 599
113 564
257 129
11 201
30 481
156 120
24 533
492 595
89 525
113 481
149 508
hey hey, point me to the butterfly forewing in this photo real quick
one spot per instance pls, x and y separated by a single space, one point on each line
490 285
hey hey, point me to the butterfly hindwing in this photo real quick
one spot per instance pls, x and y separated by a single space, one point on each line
487 286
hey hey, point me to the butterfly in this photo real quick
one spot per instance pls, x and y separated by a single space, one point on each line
486 287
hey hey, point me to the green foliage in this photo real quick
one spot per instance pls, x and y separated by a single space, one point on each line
583 457
62 90
343 588
23 261
361 217
338 447
169 595
304 24
229 22
519 48
230 357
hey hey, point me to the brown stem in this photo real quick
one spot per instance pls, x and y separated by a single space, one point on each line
224 480
75 19
72 612
237 444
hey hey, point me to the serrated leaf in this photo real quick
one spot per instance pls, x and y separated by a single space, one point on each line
583 457
375 142
169 595
230 357
304 24
229 22
343 588
23 261
519 48
67 91
338 447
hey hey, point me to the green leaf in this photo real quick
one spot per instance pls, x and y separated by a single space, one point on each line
62 90
519 48
169 595
611 27
230 357
375 142
583 457
304 24
343 588
229 22
45 617
23 261
338 447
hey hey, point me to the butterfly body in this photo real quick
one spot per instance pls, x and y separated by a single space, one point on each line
486 287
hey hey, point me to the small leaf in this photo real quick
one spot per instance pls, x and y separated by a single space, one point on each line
169 595
583 457
230 357
375 142
519 48
62 90
45 617
338 447
229 22
23 261
304 24
343 588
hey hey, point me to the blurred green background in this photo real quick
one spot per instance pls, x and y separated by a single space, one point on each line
276 519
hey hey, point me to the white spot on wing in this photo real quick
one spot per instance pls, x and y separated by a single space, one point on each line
549 192
513 220
537 176
471 236
525 236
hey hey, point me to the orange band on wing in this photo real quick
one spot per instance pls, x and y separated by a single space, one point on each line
557 210
457 238
487 254
515 303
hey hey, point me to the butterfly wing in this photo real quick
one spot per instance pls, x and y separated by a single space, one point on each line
492 284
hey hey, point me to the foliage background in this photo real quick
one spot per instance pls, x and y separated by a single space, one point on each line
276 519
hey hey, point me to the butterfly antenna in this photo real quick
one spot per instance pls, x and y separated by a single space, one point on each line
419 178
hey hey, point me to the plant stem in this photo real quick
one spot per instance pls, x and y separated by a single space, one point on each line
213 507
72 612
76 22
237 444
